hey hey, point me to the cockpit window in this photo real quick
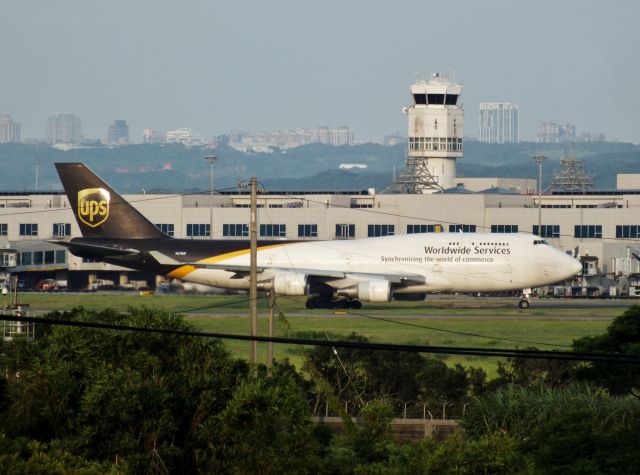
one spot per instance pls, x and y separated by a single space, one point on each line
540 241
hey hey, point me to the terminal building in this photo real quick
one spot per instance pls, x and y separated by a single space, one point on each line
602 229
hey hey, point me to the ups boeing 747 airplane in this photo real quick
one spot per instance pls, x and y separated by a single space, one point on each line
340 273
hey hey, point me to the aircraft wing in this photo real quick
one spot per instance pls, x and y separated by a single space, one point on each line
163 259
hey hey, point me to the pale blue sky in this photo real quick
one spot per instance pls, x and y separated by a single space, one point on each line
224 65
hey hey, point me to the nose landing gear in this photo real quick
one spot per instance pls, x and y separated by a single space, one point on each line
524 300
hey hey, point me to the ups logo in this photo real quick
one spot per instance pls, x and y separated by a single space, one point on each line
93 206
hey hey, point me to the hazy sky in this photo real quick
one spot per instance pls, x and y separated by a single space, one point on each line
216 66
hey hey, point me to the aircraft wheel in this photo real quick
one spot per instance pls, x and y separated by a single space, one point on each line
355 304
341 304
311 304
523 304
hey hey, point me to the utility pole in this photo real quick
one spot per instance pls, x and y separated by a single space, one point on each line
253 272
211 160
271 303
37 171
539 159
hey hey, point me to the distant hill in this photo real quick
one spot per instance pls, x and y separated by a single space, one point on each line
174 168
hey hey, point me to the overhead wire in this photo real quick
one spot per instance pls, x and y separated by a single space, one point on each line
303 199
122 203
499 352
433 221
217 305
444 330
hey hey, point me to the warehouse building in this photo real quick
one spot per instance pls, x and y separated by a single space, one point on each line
602 228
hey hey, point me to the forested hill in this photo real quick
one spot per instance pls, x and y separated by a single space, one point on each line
313 167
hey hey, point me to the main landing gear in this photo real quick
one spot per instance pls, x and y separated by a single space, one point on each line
331 303
524 300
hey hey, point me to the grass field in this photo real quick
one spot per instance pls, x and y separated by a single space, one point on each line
561 332
494 320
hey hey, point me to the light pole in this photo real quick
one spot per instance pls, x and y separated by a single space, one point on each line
253 271
211 160
539 159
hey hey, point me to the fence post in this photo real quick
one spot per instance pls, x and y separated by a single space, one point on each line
405 410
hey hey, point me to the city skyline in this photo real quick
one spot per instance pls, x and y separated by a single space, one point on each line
201 70
66 129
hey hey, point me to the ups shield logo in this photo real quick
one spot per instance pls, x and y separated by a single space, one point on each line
93 206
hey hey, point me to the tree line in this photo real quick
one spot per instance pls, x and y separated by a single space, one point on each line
77 400
176 168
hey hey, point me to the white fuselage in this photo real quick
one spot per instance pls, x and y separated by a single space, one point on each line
453 262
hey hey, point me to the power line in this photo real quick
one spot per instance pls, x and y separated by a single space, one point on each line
444 330
439 221
331 205
122 203
499 352
206 307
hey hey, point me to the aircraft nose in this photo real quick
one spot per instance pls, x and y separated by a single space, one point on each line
576 266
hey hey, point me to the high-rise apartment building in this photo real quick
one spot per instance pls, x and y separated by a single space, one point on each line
150 136
184 136
323 135
550 132
499 122
64 129
341 136
328 136
10 131
118 133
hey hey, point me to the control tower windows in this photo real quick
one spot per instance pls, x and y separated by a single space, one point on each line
420 98
436 99
453 144
451 99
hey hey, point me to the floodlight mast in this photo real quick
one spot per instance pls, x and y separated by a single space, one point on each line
210 159
539 159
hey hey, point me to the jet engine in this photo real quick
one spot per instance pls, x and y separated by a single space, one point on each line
375 291
290 283
370 291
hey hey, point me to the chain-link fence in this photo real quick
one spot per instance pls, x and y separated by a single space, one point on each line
401 409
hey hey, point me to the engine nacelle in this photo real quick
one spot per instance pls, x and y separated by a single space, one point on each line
290 283
377 291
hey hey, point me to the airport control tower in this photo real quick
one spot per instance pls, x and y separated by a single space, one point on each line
436 124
